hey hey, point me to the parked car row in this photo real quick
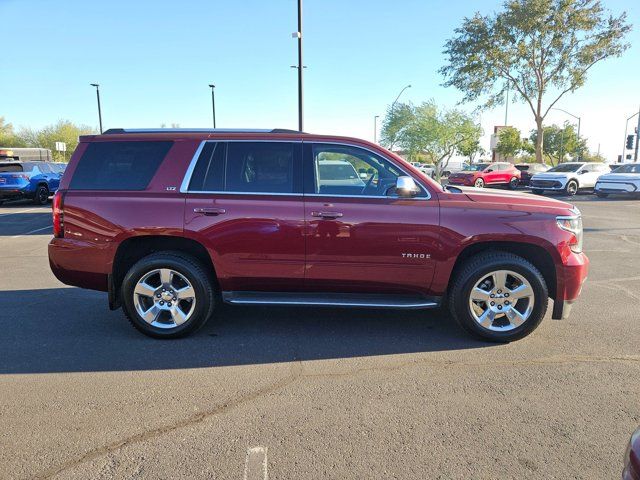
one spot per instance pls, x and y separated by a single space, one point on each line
568 178
33 180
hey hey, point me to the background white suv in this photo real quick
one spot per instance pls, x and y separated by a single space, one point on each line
625 180
568 177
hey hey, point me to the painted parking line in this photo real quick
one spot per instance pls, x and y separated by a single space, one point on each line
33 231
255 466
22 211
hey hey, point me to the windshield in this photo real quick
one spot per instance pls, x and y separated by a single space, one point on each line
635 168
478 167
337 172
566 167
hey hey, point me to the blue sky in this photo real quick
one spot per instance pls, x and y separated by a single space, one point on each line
154 60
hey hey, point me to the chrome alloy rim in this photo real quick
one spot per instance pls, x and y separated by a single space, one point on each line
501 301
164 298
479 183
572 188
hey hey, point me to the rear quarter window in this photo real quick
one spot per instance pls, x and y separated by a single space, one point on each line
118 165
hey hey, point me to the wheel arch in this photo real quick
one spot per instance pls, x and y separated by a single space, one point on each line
534 254
134 248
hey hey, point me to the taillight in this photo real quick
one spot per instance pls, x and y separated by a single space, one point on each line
58 215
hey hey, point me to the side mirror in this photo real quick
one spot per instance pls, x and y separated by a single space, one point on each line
488 170
581 172
406 187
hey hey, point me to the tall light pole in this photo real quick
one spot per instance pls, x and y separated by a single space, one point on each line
375 128
99 109
393 105
298 35
576 117
213 103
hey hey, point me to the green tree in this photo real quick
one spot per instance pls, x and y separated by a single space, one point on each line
471 149
8 136
560 142
429 130
509 142
63 131
539 49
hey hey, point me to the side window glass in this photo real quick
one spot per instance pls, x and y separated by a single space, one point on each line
256 167
346 170
208 175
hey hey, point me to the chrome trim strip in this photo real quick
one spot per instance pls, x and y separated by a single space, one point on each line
299 300
192 165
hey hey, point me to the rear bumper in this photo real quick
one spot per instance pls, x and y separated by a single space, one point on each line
571 277
78 264
7 192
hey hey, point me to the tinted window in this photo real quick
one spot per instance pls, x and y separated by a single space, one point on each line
209 172
260 167
635 168
522 168
11 167
118 165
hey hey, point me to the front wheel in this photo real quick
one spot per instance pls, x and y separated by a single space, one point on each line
572 188
479 183
499 297
167 295
513 183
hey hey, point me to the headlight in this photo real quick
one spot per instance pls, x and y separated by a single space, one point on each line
574 225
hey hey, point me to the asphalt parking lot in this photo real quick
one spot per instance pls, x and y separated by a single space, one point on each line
316 393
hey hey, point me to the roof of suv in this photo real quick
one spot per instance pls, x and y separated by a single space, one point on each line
113 131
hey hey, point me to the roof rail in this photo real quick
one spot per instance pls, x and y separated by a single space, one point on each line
113 131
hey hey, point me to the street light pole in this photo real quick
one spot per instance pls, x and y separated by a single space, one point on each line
300 70
574 116
375 128
393 105
213 103
99 109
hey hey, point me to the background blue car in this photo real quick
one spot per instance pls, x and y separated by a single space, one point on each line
34 180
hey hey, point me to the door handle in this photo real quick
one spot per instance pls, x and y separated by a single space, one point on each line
331 215
210 211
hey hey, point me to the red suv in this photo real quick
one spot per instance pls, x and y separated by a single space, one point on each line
484 174
171 223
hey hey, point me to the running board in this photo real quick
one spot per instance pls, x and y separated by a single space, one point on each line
359 300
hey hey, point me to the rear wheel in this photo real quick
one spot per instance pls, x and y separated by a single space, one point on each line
167 295
499 297
479 183
513 183
42 195
572 188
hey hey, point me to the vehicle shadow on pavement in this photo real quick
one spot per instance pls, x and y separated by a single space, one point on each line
72 330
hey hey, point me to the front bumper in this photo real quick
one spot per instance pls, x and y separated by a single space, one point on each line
571 276
629 188
547 184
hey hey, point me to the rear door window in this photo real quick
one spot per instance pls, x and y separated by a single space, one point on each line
248 167
119 165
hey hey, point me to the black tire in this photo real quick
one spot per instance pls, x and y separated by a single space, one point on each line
602 194
478 183
513 183
571 188
41 196
473 270
185 265
537 191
